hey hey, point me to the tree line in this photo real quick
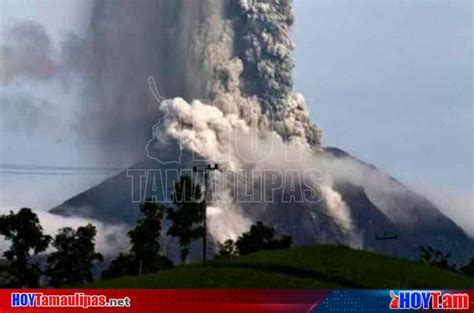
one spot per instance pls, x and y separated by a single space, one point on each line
435 257
74 256
71 262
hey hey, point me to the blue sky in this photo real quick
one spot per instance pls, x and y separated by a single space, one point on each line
389 81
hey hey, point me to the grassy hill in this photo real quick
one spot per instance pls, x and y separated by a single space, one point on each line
304 267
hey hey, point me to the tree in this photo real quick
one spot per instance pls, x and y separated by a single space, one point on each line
124 264
260 237
24 231
187 216
145 253
468 269
145 238
228 249
73 260
435 257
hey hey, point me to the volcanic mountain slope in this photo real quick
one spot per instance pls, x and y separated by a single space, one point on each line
385 215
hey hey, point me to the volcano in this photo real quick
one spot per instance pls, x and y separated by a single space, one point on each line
392 219
238 56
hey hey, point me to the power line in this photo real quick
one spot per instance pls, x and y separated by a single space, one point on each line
57 168
38 173
205 170
52 170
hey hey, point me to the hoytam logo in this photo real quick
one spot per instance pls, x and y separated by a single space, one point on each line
429 299
76 300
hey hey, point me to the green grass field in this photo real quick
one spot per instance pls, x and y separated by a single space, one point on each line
304 267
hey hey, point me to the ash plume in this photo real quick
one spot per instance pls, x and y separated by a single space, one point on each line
249 64
126 42
264 44
237 51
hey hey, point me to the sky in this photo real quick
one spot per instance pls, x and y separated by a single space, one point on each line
51 141
389 81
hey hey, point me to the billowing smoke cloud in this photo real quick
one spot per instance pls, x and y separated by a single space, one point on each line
29 53
107 66
250 65
38 83
164 39
250 68
250 88
224 136
266 48
194 49
263 43
26 52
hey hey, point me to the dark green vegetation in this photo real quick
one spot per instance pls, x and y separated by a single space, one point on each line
435 257
187 216
71 263
256 259
468 269
145 252
259 237
24 231
304 267
74 257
